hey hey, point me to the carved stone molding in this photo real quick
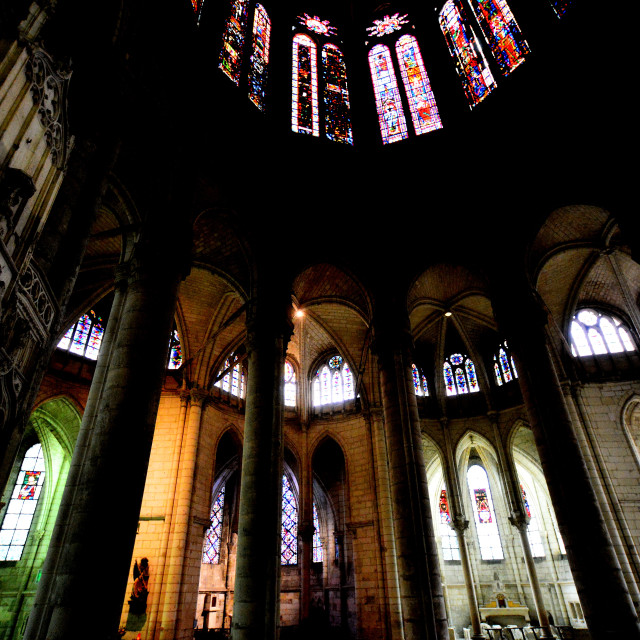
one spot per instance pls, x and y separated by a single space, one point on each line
34 292
49 90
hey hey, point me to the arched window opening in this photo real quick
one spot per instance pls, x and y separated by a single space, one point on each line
594 333
22 505
504 367
289 538
393 126
333 382
448 537
533 528
317 541
231 377
419 382
84 338
305 104
464 47
501 32
290 386
484 514
175 351
422 103
420 98
233 40
460 375
259 61
213 536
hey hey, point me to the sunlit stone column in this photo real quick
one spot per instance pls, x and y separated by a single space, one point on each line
422 601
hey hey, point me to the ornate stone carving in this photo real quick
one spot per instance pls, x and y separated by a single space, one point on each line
49 89
16 187
35 294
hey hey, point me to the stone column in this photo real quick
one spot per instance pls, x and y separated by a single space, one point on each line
460 525
305 532
257 584
422 601
85 575
596 571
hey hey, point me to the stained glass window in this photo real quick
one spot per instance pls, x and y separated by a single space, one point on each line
175 351
333 382
304 98
422 104
503 365
387 25
533 529
22 505
289 385
393 126
289 543
460 375
317 541
482 505
337 121
213 536
464 47
233 40
561 6
419 382
84 337
231 378
502 33
449 539
594 333
259 60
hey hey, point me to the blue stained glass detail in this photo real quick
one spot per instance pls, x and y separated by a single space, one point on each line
289 541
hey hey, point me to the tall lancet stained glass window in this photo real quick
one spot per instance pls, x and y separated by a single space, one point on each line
595 333
175 351
393 126
317 541
289 538
485 518
233 39
460 375
22 505
213 536
419 382
84 337
259 62
471 65
337 121
304 99
290 386
448 537
422 104
501 32
231 378
533 528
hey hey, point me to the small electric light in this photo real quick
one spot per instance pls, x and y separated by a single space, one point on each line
299 313
448 314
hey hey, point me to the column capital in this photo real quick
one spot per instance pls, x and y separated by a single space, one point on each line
459 523
519 520
198 396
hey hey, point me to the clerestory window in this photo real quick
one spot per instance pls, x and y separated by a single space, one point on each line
460 375
333 382
596 333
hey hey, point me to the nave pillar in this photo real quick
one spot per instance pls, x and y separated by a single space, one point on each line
604 596
420 583
86 570
460 525
257 585
520 520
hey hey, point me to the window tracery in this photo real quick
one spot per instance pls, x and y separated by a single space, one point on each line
318 554
595 333
305 90
419 382
289 538
460 375
22 504
84 338
333 382
213 536
231 377
417 87
504 367
484 514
